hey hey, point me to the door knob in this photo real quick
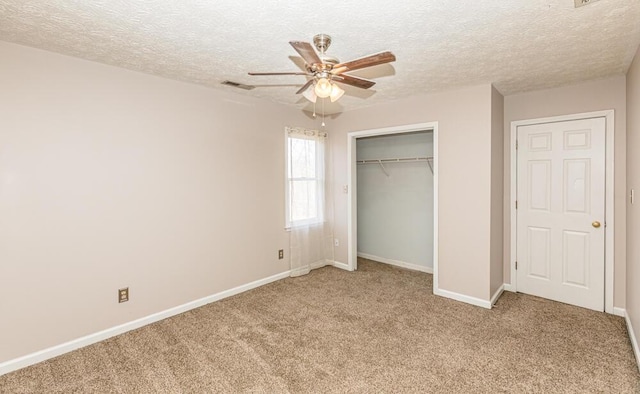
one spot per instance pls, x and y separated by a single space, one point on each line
596 224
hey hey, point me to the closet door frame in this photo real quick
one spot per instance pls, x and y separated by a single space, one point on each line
352 206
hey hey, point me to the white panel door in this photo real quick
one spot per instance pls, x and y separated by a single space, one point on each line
560 212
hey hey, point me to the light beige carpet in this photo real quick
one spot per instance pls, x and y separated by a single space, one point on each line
379 329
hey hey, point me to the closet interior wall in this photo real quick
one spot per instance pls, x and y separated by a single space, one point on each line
395 199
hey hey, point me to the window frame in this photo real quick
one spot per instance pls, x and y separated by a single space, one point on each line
289 224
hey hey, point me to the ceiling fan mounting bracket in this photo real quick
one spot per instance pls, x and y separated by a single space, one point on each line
322 42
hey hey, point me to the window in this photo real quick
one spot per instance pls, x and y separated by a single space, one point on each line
305 177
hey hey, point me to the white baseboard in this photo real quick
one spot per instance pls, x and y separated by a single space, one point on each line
397 263
342 266
42 355
320 264
632 337
497 295
616 311
463 298
619 311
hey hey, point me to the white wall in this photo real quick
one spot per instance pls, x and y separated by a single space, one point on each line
395 212
111 178
633 210
585 97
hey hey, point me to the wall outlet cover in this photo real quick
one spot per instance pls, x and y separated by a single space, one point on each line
123 295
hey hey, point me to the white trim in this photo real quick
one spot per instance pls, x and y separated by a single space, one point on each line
287 225
352 210
619 311
342 266
512 204
397 263
497 295
609 230
54 351
436 193
320 264
609 194
508 287
632 338
300 271
462 298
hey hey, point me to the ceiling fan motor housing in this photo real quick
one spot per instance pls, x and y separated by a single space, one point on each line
322 43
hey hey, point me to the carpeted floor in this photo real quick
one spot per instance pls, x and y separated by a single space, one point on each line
379 329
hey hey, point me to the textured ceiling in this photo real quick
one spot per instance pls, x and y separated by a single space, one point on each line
440 44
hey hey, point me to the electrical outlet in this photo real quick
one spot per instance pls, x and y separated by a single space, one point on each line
336 242
123 295
280 254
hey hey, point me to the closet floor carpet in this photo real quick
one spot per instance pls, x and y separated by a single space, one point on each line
379 329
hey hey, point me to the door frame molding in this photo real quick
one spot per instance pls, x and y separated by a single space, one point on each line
352 206
609 195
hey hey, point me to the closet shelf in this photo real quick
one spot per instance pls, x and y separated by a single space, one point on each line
381 162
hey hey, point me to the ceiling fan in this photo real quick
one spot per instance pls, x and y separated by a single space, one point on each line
324 70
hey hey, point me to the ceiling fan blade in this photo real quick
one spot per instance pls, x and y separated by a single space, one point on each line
307 52
305 86
283 73
367 61
353 81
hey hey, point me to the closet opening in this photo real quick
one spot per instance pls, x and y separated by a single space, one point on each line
393 189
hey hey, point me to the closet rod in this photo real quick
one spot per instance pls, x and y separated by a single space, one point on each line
395 160
428 159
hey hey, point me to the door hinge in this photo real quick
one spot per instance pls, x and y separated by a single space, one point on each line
516 204
516 144
516 265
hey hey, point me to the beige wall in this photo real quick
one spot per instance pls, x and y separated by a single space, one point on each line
111 178
464 151
586 97
497 171
633 182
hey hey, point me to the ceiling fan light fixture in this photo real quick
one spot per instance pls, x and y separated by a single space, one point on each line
336 93
310 94
323 88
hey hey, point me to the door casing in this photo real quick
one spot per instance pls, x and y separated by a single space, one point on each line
609 196
352 206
